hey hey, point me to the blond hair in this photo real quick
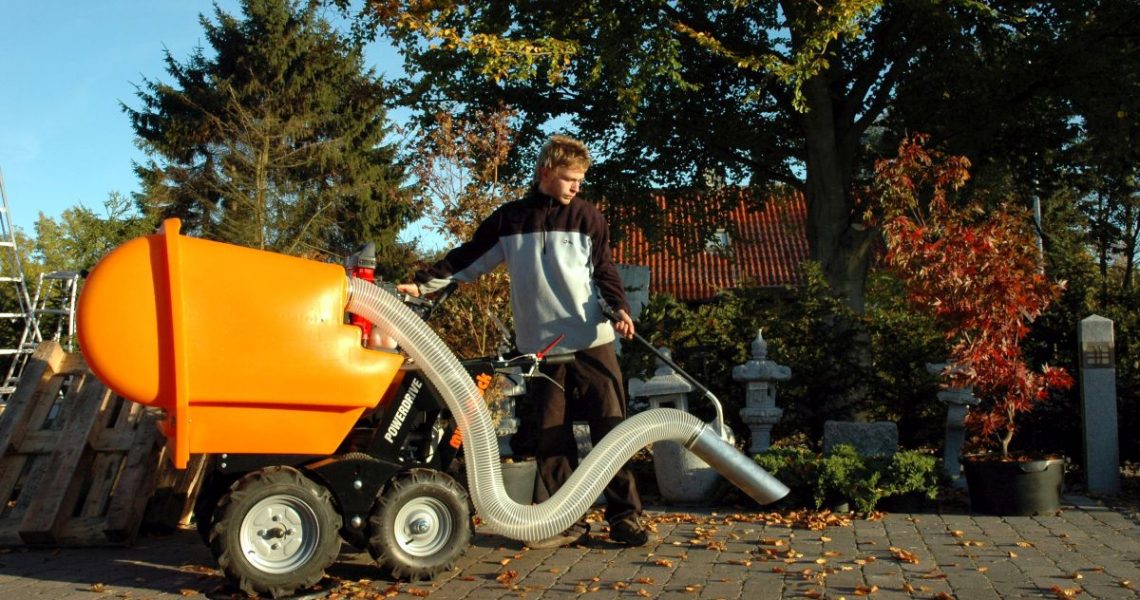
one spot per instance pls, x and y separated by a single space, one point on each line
562 151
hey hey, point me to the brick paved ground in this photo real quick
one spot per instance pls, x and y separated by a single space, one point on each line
1087 551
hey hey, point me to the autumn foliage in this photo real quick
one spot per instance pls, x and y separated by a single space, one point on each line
977 272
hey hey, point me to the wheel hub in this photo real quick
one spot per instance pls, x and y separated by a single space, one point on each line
420 527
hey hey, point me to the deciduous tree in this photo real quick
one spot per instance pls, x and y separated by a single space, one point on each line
979 273
457 163
677 94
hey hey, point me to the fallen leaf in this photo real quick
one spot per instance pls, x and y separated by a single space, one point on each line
420 592
505 562
507 577
904 555
813 594
1025 544
957 533
619 585
663 562
739 561
863 590
187 592
1012 554
832 554
983 569
644 580
1127 583
908 588
1074 576
644 593
1066 592
943 596
98 588
824 538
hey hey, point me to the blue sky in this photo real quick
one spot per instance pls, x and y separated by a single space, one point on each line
65 68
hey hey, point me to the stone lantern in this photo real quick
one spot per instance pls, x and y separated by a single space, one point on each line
958 402
682 478
760 376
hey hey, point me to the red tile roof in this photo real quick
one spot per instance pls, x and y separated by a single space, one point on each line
767 247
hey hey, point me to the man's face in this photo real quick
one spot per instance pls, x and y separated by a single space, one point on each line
561 183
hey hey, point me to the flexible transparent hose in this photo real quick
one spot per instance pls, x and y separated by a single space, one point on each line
485 480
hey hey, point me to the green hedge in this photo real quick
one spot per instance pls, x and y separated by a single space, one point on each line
819 480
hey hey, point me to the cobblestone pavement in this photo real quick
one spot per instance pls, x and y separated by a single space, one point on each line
1085 551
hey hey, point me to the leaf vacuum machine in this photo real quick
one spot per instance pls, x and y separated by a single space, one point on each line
315 438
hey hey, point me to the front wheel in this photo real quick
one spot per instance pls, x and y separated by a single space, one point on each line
420 525
275 531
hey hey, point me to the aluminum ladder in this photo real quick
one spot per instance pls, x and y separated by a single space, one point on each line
20 309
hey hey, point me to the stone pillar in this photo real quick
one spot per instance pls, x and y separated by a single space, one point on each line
759 376
958 402
1098 405
681 476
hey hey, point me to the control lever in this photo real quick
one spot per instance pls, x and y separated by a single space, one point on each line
612 315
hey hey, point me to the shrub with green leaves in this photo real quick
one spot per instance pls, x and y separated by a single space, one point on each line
819 480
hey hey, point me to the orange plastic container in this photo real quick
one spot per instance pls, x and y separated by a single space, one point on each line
247 351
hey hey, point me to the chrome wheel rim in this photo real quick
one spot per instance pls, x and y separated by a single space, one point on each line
423 526
279 534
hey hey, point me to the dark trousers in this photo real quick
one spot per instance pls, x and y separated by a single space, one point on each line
594 393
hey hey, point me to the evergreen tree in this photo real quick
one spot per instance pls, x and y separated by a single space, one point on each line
275 139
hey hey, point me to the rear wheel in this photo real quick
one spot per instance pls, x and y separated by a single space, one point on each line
420 524
275 531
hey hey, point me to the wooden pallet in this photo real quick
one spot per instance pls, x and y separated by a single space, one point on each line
78 463
172 505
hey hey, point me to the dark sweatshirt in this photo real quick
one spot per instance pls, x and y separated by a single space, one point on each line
559 260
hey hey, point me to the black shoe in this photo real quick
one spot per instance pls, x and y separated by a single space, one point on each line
579 533
629 531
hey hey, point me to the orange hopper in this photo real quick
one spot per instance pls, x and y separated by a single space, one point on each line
245 350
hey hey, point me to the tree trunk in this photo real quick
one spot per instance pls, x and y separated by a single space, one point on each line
1129 243
835 239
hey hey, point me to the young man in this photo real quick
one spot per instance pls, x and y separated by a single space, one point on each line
557 250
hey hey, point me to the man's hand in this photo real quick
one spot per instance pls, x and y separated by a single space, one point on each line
624 325
410 289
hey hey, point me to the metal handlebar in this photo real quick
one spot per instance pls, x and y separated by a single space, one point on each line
721 430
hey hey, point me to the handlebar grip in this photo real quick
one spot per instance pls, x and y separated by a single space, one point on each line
559 359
